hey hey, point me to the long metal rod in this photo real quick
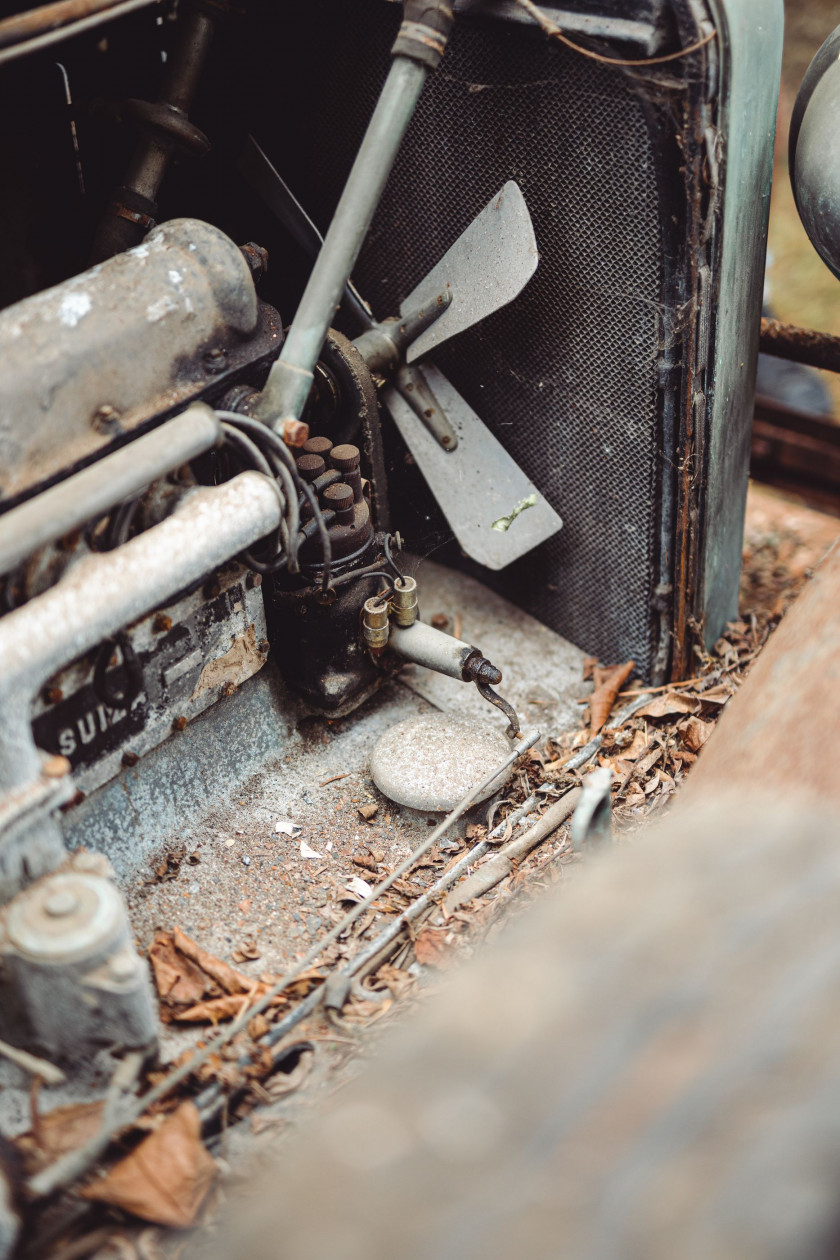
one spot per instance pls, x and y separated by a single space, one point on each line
103 485
290 380
26 33
800 345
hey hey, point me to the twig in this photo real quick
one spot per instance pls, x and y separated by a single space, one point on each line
673 686
56 1175
70 1166
336 777
502 864
48 1072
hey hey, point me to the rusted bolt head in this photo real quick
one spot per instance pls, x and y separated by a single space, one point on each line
310 467
344 458
339 497
295 432
318 446
215 360
130 758
105 419
257 259
179 724
53 695
440 621
161 623
56 767
253 580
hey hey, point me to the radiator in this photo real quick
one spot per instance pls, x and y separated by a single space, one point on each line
621 378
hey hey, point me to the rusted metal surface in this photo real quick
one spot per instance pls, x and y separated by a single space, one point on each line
779 734
797 451
801 345
164 128
47 18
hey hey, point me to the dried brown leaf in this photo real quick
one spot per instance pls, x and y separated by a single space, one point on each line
248 951
608 683
228 978
432 950
695 732
589 664
368 811
215 1010
179 981
60 1131
166 1178
669 705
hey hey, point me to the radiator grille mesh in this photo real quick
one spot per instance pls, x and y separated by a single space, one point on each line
566 376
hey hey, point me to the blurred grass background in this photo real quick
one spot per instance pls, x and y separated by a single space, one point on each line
801 289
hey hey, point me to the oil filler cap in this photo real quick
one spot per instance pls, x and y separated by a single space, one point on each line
430 762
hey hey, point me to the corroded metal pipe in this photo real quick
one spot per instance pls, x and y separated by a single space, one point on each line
801 345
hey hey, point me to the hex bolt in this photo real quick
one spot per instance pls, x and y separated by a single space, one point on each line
61 903
257 259
215 361
478 669
318 446
295 432
253 580
53 695
130 758
161 623
311 466
105 419
180 724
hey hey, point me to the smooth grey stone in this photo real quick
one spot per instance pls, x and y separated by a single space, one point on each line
431 762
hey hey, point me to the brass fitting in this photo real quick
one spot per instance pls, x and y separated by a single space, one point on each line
404 607
375 623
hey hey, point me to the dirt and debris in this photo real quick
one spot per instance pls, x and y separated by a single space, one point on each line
257 1085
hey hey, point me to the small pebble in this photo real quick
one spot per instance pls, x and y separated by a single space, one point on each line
246 861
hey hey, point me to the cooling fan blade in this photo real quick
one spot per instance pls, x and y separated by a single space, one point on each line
485 269
495 511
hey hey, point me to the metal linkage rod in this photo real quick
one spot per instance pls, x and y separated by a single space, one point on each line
291 376
48 23
103 485
418 48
